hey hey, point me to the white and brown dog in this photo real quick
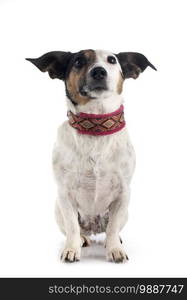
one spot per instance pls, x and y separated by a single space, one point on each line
93 157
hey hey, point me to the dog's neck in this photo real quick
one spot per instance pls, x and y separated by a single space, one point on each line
97 106
97 117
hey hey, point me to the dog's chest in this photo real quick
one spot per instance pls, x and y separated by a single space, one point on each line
93 169
97 184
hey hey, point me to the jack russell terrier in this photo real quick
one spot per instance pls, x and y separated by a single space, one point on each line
93 157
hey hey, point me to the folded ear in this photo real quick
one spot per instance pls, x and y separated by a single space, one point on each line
55 63
132 64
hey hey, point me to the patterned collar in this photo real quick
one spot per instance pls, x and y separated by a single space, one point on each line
97 124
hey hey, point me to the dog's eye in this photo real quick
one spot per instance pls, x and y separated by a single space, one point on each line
79 62
111 59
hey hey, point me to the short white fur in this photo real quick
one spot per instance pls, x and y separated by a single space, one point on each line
93 175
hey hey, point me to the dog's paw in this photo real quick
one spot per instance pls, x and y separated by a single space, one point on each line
71 254
86 242
117 255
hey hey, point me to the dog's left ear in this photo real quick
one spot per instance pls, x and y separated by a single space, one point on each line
55 63
132 64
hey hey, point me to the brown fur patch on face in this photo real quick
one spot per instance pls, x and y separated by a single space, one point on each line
76 76
120 84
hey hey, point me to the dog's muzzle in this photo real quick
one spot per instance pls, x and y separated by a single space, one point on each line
98 73
96 82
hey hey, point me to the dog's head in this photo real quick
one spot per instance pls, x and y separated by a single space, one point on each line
90 74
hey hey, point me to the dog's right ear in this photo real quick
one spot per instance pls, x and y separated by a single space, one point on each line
133 63
55 63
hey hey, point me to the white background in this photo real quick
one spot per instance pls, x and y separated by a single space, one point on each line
32 106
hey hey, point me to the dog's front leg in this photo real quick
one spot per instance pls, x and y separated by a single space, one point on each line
72 249
117 218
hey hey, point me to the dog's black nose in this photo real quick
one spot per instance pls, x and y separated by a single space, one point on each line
98 73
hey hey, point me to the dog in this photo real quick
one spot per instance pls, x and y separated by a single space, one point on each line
93 158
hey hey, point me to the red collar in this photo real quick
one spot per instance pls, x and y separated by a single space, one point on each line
98 124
